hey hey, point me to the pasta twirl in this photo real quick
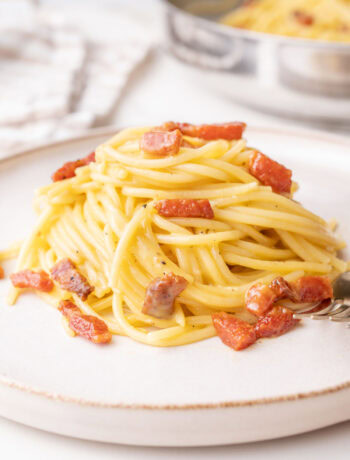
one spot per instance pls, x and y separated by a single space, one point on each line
105 221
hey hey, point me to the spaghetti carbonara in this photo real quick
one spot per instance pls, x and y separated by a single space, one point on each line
314 19
163 227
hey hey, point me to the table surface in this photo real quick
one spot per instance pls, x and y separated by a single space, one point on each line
163 89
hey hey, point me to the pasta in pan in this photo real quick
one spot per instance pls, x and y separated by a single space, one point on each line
315 19
179 212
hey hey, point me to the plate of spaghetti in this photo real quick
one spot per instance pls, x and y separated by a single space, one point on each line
149 297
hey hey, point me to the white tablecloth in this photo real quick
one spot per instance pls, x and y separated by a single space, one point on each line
63 70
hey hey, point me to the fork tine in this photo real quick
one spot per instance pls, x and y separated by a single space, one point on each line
307 309
337 311
330 313
342 314
308 313
340 310
343 319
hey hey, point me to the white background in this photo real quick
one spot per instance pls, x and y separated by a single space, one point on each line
164 89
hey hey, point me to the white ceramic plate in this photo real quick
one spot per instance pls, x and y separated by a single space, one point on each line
200 394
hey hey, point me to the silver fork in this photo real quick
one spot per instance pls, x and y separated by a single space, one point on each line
339 308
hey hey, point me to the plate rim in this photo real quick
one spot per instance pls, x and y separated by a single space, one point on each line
56 397
109 131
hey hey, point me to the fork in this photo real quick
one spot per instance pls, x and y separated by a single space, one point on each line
339 308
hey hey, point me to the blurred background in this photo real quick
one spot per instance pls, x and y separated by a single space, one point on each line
70 65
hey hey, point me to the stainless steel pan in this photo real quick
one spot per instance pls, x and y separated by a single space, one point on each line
306 79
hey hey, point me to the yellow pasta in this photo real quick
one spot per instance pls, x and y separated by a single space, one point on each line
105 221
312 19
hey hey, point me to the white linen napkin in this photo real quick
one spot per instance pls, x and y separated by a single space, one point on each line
62 71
